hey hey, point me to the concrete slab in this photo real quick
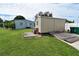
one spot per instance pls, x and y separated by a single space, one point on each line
31 34
75 45
67 37
72 40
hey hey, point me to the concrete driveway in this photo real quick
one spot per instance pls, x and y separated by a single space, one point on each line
69 38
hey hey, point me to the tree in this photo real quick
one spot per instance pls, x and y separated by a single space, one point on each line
73 21
1 22
9 24
68 21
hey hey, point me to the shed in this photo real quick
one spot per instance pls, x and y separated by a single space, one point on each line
46 24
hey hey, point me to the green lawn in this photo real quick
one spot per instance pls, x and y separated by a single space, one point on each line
12 42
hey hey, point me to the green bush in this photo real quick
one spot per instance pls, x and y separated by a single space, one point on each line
1 24
9 24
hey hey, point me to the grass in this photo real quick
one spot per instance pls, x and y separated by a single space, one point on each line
12 43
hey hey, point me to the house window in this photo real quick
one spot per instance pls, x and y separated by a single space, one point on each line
30 23
21 23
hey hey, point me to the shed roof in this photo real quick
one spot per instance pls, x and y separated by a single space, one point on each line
53 17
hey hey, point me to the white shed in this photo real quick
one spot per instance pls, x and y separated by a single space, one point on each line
45 24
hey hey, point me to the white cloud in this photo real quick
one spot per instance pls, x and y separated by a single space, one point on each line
69 11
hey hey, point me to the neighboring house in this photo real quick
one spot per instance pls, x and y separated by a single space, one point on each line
21 23
68 25
47 23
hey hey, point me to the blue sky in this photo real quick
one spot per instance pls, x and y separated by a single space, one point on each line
69 11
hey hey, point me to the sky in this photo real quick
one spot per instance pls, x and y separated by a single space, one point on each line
68 11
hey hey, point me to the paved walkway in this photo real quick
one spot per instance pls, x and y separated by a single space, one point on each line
69 38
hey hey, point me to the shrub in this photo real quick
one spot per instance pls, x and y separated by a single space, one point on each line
9 24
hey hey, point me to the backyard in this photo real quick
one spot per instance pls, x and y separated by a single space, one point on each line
13 43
